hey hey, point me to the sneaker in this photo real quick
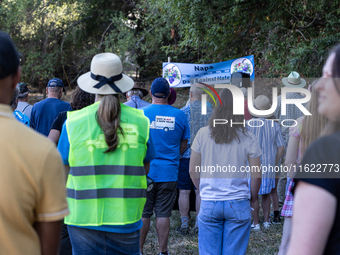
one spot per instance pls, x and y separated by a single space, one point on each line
255 227
266 225
277 221
164 253
182 230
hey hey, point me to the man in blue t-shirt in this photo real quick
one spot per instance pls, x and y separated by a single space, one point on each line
170 132
44 112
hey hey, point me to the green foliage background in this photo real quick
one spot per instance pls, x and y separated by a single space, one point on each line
284 35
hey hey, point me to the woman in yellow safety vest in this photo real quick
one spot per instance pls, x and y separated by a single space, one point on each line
107 147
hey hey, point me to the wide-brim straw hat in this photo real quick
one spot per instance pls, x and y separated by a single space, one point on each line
294 80
262 103
106 76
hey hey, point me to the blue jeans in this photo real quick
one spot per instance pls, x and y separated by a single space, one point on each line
92 242
224 227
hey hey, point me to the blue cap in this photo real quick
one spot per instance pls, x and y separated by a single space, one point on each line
56 82
161 87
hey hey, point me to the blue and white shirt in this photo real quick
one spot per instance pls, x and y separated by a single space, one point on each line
270 138
292 112
136 102
196 121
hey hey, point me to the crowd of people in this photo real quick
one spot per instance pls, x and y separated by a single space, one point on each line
93 172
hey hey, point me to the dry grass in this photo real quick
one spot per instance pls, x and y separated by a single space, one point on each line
264 242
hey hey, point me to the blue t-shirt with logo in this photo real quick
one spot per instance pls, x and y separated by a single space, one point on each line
168 126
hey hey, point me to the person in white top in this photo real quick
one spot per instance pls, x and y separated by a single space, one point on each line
218 167
23 106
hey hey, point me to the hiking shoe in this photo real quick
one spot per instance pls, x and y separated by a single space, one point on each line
277 221
266 225
182 230
255 227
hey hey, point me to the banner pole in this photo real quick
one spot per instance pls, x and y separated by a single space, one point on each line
253 86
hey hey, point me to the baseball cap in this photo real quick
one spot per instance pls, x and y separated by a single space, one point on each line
9 57
23 89
240 79
161 87
55 82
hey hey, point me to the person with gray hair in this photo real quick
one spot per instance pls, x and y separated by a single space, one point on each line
196 121
23 106
135 95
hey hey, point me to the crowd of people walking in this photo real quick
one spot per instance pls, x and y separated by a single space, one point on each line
86 177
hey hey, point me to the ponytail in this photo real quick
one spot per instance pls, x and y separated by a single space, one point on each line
108 117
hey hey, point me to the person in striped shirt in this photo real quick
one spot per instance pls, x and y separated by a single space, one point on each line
272 143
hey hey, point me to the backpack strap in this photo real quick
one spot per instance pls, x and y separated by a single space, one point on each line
25 108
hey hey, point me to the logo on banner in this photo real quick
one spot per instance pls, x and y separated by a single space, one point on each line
172 73
243 65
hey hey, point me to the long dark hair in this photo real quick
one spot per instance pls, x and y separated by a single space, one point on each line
81 99
334 126
108 117
224 133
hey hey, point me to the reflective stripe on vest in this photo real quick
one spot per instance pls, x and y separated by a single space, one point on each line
107 170
106 188
106 193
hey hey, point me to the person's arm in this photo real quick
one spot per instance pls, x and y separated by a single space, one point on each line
150 155
147 167
32 119
314 214
256 178
279 154
195 160
54 136
184 145
292 154
49 236
64 145
51 205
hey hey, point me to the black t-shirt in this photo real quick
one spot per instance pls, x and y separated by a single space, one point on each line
323 153
59 121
